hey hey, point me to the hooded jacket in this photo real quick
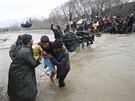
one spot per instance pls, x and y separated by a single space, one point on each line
21 79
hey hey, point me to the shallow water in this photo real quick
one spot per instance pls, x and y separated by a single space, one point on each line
12 36
104 71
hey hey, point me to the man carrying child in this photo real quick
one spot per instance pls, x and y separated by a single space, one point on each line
61 60
55 54
41 50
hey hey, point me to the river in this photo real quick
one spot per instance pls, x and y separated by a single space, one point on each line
104 71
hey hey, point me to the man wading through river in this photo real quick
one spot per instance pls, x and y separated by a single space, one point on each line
61 60
21 80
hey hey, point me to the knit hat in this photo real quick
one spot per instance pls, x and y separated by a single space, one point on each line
26 38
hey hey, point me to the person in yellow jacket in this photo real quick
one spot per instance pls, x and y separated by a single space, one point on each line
95 25
39 51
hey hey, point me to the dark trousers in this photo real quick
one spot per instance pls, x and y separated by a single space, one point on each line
62 78
130 29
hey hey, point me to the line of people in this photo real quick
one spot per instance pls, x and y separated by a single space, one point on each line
72 38
111 24
21 79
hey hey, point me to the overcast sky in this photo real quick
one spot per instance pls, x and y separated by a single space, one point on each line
19 9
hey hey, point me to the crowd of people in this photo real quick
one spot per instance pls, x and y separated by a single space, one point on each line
112 24
72 36
84 30
25 58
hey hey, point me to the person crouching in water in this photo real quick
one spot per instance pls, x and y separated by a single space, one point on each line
39 51
61 60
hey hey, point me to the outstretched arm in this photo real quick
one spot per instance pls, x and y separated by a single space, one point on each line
52 26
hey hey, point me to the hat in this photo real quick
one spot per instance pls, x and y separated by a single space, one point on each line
26 38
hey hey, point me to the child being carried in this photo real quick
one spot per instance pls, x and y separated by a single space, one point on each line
39 51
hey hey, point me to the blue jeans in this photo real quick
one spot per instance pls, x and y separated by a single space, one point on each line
49 63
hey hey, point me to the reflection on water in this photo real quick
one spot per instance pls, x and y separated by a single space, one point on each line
104 71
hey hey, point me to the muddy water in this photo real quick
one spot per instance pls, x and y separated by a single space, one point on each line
104 71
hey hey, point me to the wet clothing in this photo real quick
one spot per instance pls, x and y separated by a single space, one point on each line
66 40
22 82
71 41
13 49
57 33
49 64
62 62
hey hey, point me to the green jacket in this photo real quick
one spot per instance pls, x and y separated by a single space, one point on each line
22 80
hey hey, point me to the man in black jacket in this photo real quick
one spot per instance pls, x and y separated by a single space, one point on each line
21 79
57 32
